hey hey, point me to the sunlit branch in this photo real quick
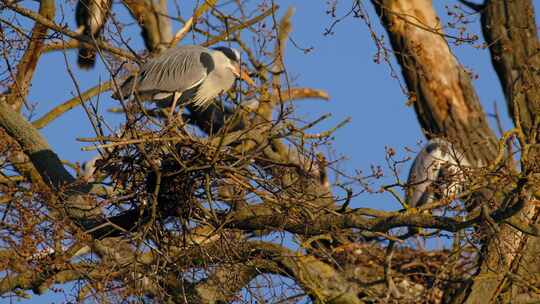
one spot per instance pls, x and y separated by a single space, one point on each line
192 20
70 104
238 27
28 63
51 25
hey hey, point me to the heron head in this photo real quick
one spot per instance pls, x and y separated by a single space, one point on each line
234 58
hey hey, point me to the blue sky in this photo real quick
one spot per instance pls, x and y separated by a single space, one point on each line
342 64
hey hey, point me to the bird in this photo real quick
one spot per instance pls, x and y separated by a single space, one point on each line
88 169
189 74
216 116
90 16
437 171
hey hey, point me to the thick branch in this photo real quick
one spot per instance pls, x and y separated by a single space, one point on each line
262 217
46 163
510 31
152 18
35 146
441 90
319 280
225 282
28 63
70 104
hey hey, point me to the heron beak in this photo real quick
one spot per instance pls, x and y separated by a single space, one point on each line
241 73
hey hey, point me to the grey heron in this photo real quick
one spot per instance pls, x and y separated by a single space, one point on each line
91 16
88 169
437 170
187 74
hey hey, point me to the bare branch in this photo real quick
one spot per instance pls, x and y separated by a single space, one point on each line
60 29
192 21
236 28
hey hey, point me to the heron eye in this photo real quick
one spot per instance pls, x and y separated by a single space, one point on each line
235 66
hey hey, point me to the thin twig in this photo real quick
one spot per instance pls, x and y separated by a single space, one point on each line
131 141
241 26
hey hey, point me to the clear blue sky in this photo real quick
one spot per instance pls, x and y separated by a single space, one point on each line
342 64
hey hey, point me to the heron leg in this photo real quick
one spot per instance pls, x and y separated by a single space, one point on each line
176 96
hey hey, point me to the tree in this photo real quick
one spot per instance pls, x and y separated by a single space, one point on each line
172 213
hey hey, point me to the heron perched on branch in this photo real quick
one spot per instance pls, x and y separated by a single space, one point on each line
91 16
186 74
437 171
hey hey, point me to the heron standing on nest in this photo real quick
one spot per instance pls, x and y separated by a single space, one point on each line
186 74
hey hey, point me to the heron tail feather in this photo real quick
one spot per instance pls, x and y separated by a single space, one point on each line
87 58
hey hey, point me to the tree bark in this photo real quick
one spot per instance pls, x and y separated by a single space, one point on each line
155 26
441 90
444 100
510 31
28 63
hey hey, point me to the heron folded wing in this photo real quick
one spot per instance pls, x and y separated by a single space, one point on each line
176 70
424 172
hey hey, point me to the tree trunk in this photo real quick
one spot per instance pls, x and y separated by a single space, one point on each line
447 105
439 87
509 29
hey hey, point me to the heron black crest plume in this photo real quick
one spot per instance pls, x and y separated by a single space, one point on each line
91 16
231 53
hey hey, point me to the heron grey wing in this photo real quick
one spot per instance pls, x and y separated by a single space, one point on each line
176 70
423 173
416 183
